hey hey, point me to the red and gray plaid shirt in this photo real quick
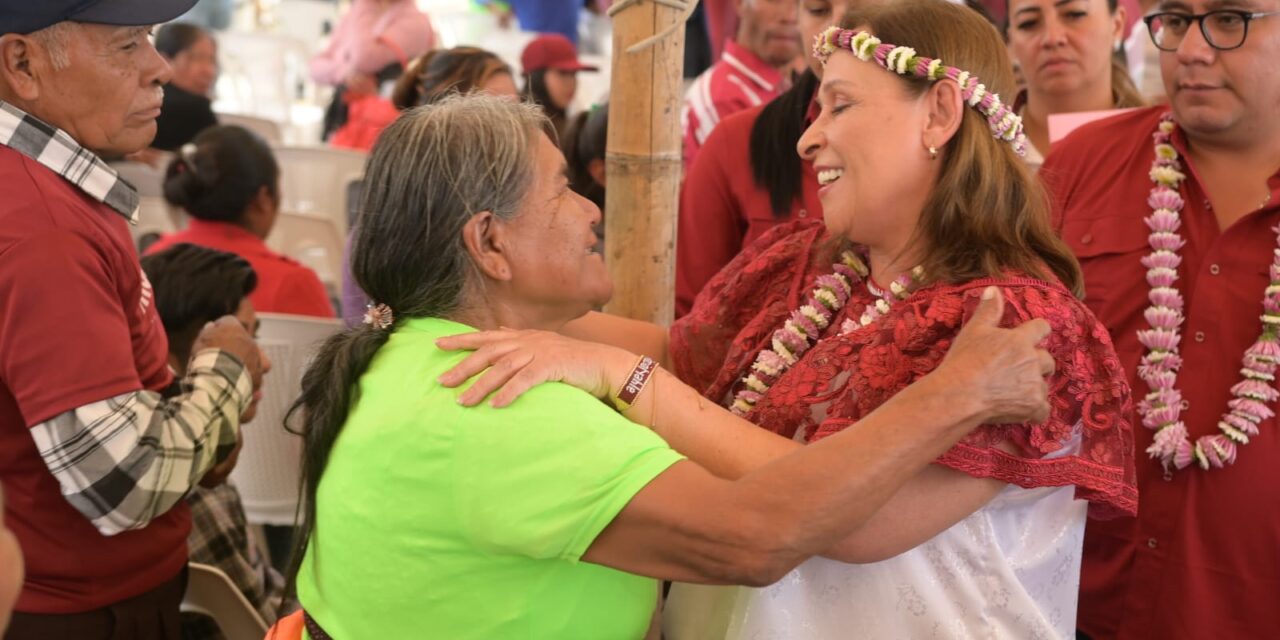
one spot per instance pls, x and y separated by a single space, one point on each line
124 460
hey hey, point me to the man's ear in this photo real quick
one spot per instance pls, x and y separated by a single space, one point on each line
18 74
484 237
945 113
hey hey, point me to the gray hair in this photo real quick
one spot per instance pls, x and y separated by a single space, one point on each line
430 172
56 39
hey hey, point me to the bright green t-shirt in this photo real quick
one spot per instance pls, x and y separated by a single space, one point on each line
438 521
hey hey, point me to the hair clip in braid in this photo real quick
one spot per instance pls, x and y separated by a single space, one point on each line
379 316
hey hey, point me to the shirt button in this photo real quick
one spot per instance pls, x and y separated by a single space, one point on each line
1151 543
804 213
1199 336
1215 269
1086 238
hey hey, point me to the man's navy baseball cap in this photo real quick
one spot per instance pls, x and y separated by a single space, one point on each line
25 16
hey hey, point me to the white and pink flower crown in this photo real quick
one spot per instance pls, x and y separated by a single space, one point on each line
1004 123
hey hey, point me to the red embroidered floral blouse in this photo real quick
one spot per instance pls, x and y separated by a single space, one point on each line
843 378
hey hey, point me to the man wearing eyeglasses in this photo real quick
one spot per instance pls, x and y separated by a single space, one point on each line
1173 212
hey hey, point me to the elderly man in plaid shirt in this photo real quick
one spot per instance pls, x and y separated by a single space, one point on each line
95 461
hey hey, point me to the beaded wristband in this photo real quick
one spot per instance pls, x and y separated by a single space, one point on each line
636 382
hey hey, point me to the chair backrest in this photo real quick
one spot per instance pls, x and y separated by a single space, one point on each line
313 180
269 130
270 464
210 592
155 219
261 73
313 240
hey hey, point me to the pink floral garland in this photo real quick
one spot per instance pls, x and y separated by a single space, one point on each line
1162 407
805 325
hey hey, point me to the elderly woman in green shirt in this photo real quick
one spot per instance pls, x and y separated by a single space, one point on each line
556 516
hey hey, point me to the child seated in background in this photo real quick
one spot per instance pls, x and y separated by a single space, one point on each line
194 285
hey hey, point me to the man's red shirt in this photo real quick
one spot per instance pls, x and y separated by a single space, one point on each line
1202 559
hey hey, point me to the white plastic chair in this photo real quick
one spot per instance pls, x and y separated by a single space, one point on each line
313 180
261 73
314 240
270 464
269 130
155 218
211 593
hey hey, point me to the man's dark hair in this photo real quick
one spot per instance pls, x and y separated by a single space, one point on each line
194 285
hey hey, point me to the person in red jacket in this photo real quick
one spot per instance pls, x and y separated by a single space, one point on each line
747 178
227 180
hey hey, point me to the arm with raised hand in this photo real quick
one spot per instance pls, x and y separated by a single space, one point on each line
780 503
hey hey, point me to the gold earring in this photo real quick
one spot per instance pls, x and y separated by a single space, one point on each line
933 153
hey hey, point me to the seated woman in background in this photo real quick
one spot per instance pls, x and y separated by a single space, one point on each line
550 519
192 53
194 286
816 326
1066 53
551 67
228 182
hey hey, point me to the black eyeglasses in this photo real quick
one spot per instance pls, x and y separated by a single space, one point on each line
1223 30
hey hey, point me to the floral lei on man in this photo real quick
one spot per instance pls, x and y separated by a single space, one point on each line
1162 407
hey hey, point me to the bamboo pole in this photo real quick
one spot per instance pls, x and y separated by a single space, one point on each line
643 159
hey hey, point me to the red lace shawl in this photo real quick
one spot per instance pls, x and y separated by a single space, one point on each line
843 378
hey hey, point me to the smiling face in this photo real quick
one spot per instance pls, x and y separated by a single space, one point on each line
555 269
1224 94
109 96
1063 46
768 28
867 146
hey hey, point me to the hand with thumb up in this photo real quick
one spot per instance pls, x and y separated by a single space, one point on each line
1005 369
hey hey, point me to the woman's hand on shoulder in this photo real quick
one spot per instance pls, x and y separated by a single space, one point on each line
1004 370
514 361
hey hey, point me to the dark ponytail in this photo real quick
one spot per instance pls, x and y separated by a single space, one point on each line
217 176
775 165
430 172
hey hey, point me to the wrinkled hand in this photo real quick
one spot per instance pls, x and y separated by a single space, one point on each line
226 333
517 361
1004 369
219 473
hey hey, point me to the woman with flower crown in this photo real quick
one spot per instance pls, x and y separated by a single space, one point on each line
927 202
